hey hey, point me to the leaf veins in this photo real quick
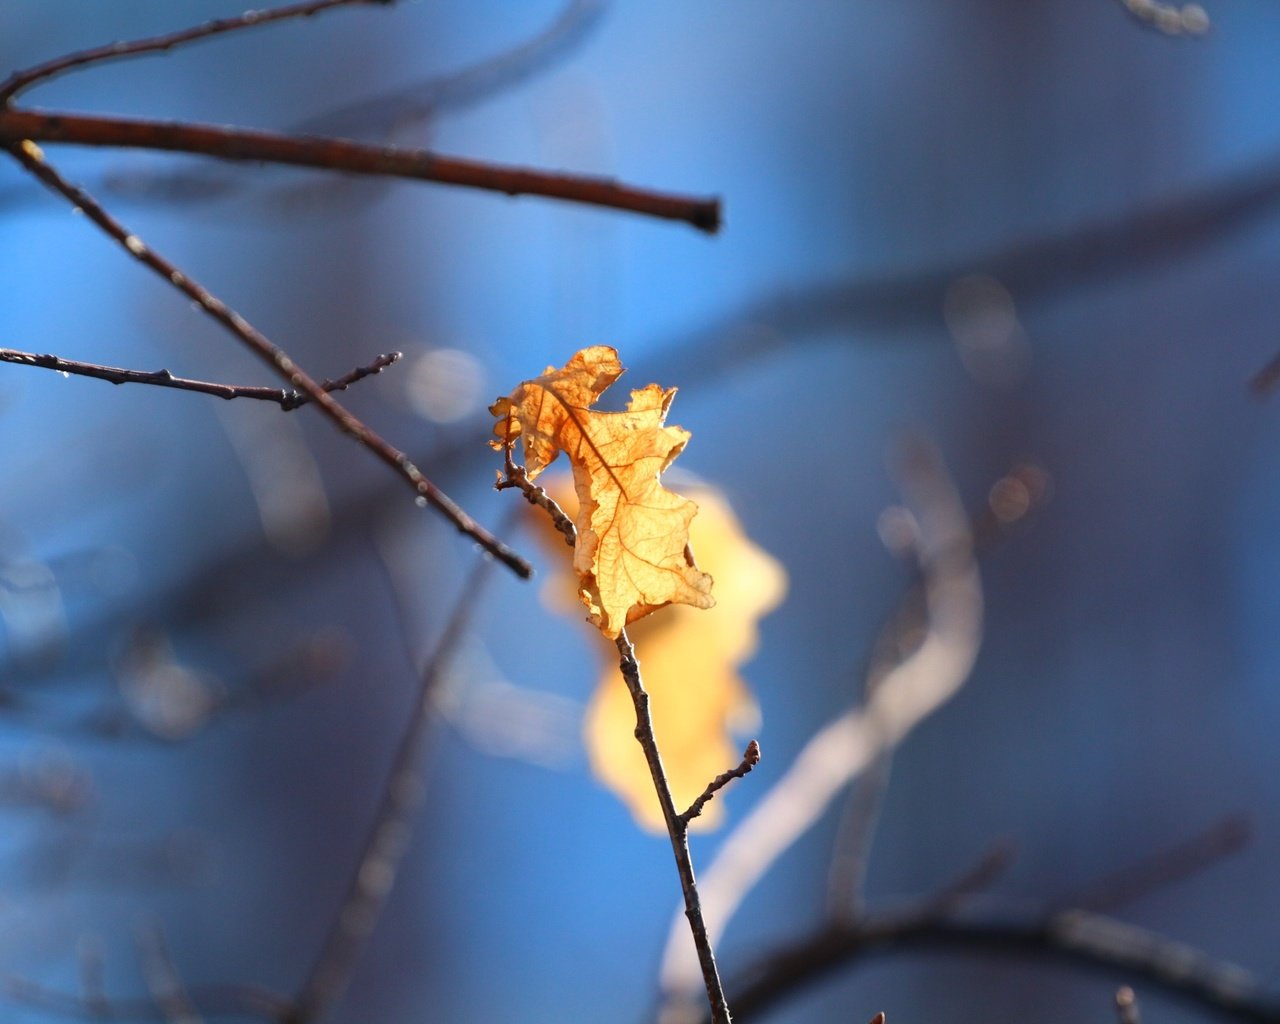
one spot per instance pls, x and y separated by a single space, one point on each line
632 555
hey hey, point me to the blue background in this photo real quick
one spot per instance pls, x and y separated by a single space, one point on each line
868 156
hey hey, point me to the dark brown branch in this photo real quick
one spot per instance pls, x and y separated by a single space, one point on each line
750 758
30 157
20 81
287 398
388 836
353 158
1090 941
677 825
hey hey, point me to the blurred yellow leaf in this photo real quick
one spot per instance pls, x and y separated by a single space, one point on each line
632 554
690 663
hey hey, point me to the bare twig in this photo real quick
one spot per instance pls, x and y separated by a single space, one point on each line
750 758
388 836
1091 941
287 398
30 157
20 81
677 824
16 126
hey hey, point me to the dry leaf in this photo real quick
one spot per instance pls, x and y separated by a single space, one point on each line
690 661
632 555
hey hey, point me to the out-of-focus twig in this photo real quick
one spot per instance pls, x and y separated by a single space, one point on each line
1091 941
167 990
1163 868
287 398
1127 1011
1011 499
750 758
1171 19
20 81
910 691
31 158
212 1000
19 126
388 836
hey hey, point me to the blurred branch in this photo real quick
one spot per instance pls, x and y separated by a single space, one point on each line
392 112
1011 499
167 990
211 1000
17 126
911 690
1076 937
385 843
1075 934
287 398
1049 265
1187 20
20 81
1127 1011
1165 867
31 158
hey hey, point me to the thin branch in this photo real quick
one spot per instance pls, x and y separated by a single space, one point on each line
16 126
388 836
975 879
287 398
167 990
677 829
30 157
750 758
677 824
20 81
1265 380
1091 941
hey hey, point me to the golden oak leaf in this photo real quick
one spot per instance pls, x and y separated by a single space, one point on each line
690 662
632 555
